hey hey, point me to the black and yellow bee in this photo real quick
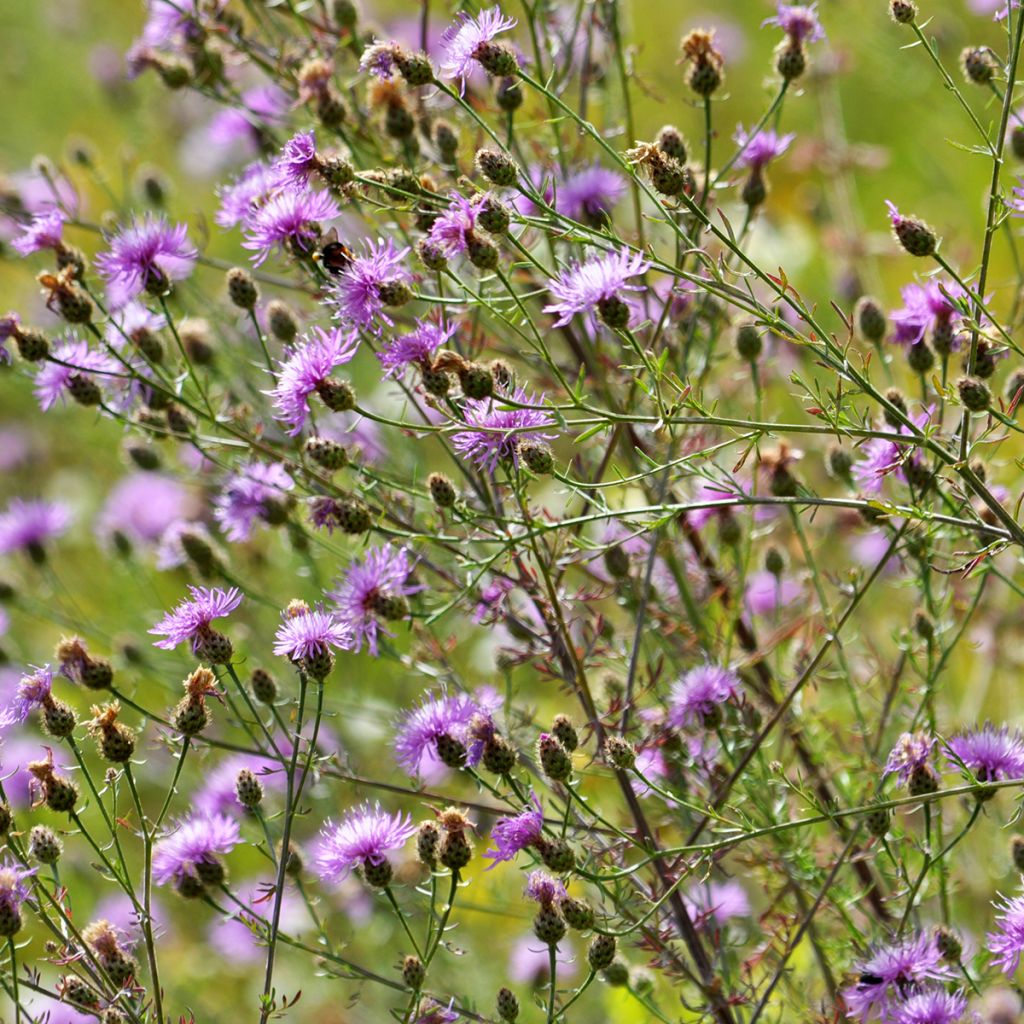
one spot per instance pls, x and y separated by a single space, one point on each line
334 256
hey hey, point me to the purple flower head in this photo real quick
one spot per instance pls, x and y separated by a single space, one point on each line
494 433
253 493
456 224
588 287
132 321
290 218
217 794
416 348
246 193
759 149
13 890
767 594
33 692
717 903
141 507
238 130
374 587
25 525
879 457
511 835
170 550
45 231
589 194
435 1013
298 161
893 972
190 620
310 634
699 694
933 1006
466 40
912 752
359 292
799 22
196 842
1007 944
989 753
366 834
10 327
492 598
444 715
306 370
378 59
543 888
145 254
70 360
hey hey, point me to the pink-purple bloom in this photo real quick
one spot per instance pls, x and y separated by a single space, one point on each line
44 231
929 309
494 433
585 287
246 193
1007 944
879 457
932 1006
360 293
590 193
33 691
310 634
298 161
510 835
13 890
544 888
308 368
190 620
250 495
456 224
374 586
27 525
989 753
145 255
289 218
365 835
70 359
799 22
141 506
699 694
464 41
717 903
435 717
758 149
912 751
195 843
416 348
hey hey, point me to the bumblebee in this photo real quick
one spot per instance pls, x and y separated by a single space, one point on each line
336 257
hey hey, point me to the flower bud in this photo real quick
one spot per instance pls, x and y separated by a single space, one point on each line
554 759
565 732
556 854
877 821
248 789
431 254
6 818
923 781
790 60
264 689
497 59
748 342
549 925
497 167
428 841
895 398
509 95
325 452
32 345
619 753
281 321
869 319
413 972
1017 852
979 65
442 490
507 1005
903 12
537 456
483 254
920 357
44 844
578 914
242 288
601 952
671 142
337 395
974 394
948 943
477 381
916 237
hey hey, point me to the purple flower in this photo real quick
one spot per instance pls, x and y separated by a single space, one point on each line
170 551
543 888
757 150
69 361
193 846
912 752
590 286
465 41
374 587
444 716
237 130
33 691
143 256
142 506
891 973
378 59
511 835
1007 944
990 753
529 964
717 903
132 321
880 457
289 218
589 194
926 309
494 432
190 620
698 695
364 835
27 524
45 231
435 1013
10 326
241 198
255 492
765 593
306 370
217 794
414 349
799 22
455 226
369 283
310 634
298 161
13 890
933 1006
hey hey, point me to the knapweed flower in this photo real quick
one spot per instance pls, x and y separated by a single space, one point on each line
878 458
44 231
438 725
544 889
494 432
596 287
34 690
990 753
893 972
416 348
289 218
1007 944
308 369
375 587
13 893
717 903
799 22
188 856
697 697
310 634
256 492
10 327
469 40
190 620
247 192
217 793
933 1006
765 593
298 161
434 1013
758 149
69 371
510 835
912 752
370 283
589 194
930 313
141 506
27 525
455 226
131 323
146 255
363 838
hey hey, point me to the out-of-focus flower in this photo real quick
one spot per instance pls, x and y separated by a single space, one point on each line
27 525
256 492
